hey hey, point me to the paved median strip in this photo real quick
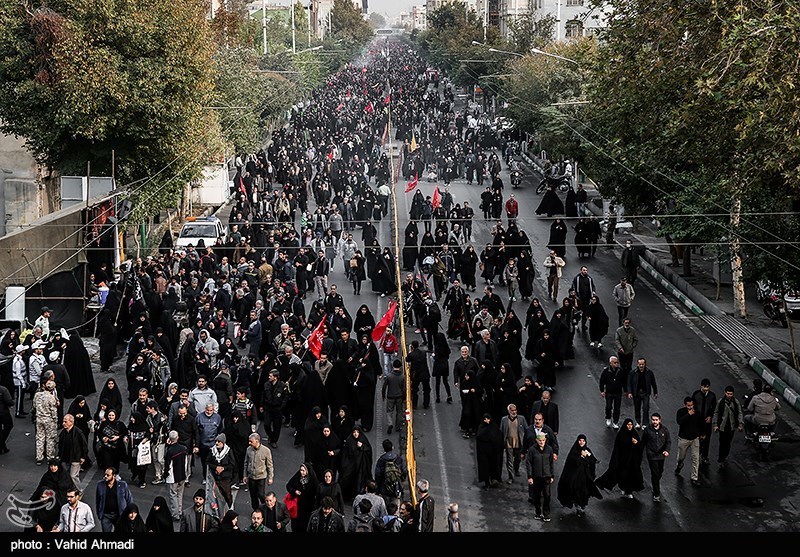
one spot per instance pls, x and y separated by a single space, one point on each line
671 287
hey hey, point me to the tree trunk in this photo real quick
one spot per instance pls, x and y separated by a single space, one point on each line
791 330
739 302
687 260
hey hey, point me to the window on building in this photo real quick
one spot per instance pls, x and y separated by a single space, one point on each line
574 2
573 29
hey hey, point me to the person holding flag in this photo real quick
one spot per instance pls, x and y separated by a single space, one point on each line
314 340
412 184
382 334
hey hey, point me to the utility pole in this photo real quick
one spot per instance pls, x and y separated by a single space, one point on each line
309 23
485 19
294 45
264 24
558 20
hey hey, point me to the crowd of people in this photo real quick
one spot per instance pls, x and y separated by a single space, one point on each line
223 340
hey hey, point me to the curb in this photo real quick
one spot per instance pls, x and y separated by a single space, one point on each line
699 305
671 287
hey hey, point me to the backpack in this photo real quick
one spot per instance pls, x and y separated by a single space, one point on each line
362 525
392 479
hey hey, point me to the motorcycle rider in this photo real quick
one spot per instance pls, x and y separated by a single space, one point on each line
761 410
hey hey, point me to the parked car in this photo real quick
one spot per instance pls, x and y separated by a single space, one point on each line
207 229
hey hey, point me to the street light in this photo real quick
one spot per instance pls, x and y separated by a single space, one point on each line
476 43
534 51
543 53
312 49
506 52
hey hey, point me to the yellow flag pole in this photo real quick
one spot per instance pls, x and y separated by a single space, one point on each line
410 460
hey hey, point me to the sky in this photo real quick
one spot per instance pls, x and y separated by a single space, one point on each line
392 8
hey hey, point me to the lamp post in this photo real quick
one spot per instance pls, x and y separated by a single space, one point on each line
264 24
294 45
534 51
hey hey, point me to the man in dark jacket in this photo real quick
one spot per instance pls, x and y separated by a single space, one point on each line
727 420
641 383
276 517
72 449
112 497
464 364
583 284
539 464
486 349
325 519
221 463
196 519
657 443
425 506
390 455
273 403
420 375
613 383
186 428
705 402
548 409
688 437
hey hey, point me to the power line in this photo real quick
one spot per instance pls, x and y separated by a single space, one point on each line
86 226
130 193
728 230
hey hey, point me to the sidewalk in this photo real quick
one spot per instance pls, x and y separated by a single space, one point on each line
764 344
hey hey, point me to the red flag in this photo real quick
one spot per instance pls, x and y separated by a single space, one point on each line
437 198
412 184
369 109
338 108
314 340
387 99
387 318
241 186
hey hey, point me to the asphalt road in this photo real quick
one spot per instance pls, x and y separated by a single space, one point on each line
679 348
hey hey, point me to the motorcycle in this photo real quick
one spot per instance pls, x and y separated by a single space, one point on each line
560 182
762 438
772 302
516 178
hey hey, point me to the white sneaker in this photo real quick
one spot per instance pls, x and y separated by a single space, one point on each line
636 426
615 426
599 344
591 345
608 423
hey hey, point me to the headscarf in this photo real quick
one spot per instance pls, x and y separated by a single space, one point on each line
159 520
127 526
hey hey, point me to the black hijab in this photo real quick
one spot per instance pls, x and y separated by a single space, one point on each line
127 526
158 519
113 397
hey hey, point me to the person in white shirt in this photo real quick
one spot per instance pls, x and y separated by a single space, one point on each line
43 321
76 516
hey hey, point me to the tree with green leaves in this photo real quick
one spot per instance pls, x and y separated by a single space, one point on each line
82 79
695 104
377 21
347 24
531 30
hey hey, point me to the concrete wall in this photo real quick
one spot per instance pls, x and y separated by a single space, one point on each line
24 255
16 158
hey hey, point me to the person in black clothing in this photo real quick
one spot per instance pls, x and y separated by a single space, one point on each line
688 438
641 384
420 375
613 383
705 402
